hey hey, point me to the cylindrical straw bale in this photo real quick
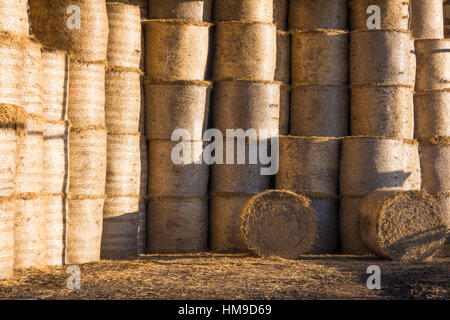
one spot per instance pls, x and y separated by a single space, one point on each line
380 57
402 225
32 78
192 10
11 75
170 53
142 4
319 14
427 19
177 105
14 17
142 227
412 65
175 168
379 14
285 106
382 111
79 27
432 114
435 164
124 44
86 94
56 207
319 111
244 10
283 69
7 212
245 50
327 216
320 58
433 65
309 165
281 13
87 167
177 224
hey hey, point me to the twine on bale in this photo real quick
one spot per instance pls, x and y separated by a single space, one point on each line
192 10
244 10
308 15
427 19
7 213
14 17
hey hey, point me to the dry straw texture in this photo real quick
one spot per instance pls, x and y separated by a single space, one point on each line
244 10
280 13
55 231
142 4
14 17
278 223
170 54
7 212
443 200
412 64
319 14
319 111
427 19
177 224
435 163
32 84
327 216
144 167
283 69
245 50
402 225
432 114
142 227
51 20
10 69
285 105
433 65
447 19
193 10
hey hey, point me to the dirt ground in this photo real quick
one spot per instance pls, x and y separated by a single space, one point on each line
237 276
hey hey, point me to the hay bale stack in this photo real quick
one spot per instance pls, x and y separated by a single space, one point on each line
10 69
244 10
433 65
31 85
283 75
432 117
56 221
320 14
192 10
14 17
7 212
427 19
406 226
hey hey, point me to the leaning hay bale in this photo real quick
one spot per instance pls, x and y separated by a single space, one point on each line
86 94
124 44
55 84
320 14
309 165
56 208
192 10
56 27
402 225
320 58
29 232
7 212
327 215
14 17
394 14
224 218
280 13
283 69
245 50
87 168
319 111
123 100
189 178
435 164
382 111
379 57
177 104
84 229
32 84
372 163
427 19
142 227
170 54
246 105
433 65
10 69
432 115
177 224
243 10
285 105
412 65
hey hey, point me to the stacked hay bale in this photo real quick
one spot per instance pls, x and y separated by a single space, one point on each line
125 185
447 19
83 32
427 19
246 97
177 97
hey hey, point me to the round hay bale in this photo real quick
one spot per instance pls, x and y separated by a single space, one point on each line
432 115
372 163
32 84
87 166
56 209
86 94
55 84
285 105
54 23
10 69
427 19
280 14
320 58
379 57
7 212
29 232
192 10
120 228
435 164
246 105
143 151
308 15
190 178
177 224
412 65
245 50
394 14
278 223
402 225
56 157
382 111
283 69
84 229
327 215
433 65
142 4
309 165
319 111
225 211
142 228
14 17
175 105
123 100
244 10
124 44
170 54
